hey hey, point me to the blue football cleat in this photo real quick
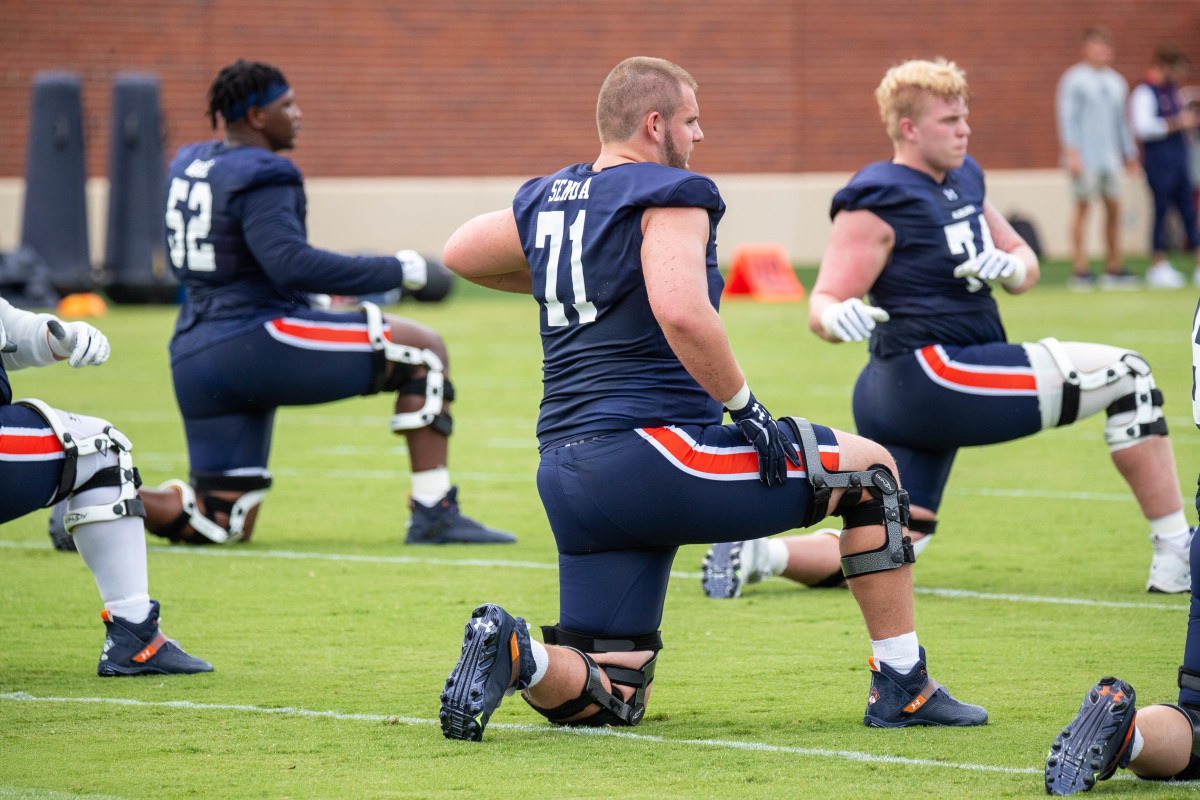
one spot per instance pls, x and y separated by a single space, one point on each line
496 659
898 701
443 523
143 649
721 573
1096 742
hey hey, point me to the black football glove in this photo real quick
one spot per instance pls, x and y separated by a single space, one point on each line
762 431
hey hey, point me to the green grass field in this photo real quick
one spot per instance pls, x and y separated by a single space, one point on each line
331 639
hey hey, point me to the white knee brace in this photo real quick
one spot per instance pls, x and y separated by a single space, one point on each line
81 438
402 354
1119 381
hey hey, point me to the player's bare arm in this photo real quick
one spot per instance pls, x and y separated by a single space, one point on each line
860 244
674 267
487 250
1007 239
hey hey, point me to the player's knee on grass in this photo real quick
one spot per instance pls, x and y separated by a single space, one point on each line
626 678
213 509
617 676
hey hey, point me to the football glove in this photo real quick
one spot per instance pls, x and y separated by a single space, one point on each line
851 320
416 274
79 343
6 344
773 448
992 266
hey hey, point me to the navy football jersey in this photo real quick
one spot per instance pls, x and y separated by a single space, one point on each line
938 226
607 365
237 240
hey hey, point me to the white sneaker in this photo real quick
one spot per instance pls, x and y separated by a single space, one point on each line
728 566
1170 569
1163 276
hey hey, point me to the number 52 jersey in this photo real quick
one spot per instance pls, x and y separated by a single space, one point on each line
606 363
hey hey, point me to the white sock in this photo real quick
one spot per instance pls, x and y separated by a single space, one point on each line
541 660
1171 530
1135 746
115 552
132 609
430 486
779 555
901 653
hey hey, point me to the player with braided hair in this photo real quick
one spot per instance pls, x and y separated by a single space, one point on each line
248 341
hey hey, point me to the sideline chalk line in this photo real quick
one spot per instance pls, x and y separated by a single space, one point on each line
845 755
293 555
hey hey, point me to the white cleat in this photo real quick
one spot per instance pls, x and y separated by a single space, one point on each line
1170 569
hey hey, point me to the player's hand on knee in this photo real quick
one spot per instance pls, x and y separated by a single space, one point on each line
763 432
851 320
992 266
416 271
79 343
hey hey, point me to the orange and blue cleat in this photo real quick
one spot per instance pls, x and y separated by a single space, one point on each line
142 649
1096 742
900 700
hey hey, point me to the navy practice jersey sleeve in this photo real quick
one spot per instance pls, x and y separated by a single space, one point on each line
276 238
607 365
236 237
938 226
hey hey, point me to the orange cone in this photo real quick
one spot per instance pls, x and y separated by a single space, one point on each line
764 272
82 305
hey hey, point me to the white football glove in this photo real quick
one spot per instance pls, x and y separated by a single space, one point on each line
79 343
992 266
6 344
416 274
851 320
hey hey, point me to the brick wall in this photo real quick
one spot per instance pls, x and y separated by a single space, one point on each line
508 88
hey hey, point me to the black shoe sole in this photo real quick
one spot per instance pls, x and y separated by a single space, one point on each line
722 584
1070 770
464 711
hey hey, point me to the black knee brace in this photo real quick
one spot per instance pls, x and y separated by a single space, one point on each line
888 505
613 710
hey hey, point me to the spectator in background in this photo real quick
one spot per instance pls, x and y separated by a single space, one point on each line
1096 142
1161 121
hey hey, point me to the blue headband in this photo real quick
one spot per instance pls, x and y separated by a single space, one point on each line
255 100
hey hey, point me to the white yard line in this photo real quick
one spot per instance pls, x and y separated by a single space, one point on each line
844 755
291 555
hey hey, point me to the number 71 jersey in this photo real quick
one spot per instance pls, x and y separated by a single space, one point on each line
607 365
